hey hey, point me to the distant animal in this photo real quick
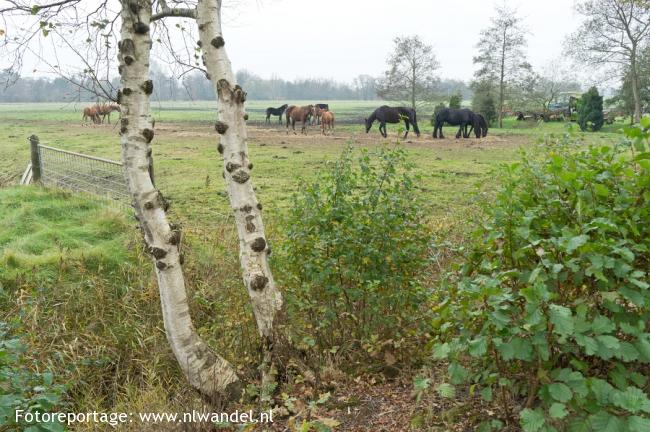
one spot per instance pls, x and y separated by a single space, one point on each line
317 112
319 107
457 117
276 112
105 111
91 113
301 114
385 114
327 122
482 123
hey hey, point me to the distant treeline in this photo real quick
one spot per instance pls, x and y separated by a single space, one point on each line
194 86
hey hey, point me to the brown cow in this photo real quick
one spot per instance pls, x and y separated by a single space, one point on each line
327 120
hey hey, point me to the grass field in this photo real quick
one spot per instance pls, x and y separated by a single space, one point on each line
82 291
189 170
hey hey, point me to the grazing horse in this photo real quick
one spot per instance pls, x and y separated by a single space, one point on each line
91 113
317 112
385 114
327 121
276 112
483 125
105 110
301 114
457 117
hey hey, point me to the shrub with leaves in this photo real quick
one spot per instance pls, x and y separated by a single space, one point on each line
590 111
455 101
356 245
548 318
22 389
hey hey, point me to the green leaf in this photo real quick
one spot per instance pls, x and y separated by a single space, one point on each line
558 411
478 346
602 421
446 390
486 393
560 392
441 351
561 319
531 420
457 373
602 324
575 242
638 424
632 399
517 348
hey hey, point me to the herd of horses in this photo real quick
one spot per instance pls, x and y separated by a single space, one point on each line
308 114
467 120
99 112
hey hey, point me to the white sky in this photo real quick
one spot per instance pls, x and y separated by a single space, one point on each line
341 39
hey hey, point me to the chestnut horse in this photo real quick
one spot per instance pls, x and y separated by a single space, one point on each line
327 120
91 113
301 114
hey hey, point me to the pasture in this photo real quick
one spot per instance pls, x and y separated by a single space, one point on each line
94 334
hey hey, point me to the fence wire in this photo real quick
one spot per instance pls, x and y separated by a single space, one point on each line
103 178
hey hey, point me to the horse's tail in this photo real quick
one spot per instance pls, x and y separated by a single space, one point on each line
415 123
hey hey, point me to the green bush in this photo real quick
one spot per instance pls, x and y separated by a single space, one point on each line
549 316
436 110
356 246
23 389
483 103
455 101
590 111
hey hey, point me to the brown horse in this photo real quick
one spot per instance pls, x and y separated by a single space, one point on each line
105 110
316 114
327 120
91 113
301 114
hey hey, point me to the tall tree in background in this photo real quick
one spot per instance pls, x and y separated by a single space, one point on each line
613 34
410 74
501 53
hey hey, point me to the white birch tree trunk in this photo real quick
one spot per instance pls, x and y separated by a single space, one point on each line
266 299
206 371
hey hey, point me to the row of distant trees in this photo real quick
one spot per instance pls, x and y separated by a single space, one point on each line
194 86
615 35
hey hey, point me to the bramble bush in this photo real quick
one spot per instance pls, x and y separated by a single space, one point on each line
23 389
548 318
356 244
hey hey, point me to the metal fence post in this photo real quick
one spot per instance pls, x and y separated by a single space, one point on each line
36 159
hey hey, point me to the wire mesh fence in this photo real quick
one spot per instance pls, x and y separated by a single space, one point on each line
77 172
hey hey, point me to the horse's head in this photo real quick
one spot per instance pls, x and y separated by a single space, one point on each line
368 124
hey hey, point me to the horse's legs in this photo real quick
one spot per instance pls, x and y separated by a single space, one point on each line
406 123
382 129
460 130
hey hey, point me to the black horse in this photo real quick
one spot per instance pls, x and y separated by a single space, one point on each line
482 124
385 114
457 117
276 112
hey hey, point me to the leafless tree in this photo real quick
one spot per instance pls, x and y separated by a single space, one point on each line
613 34
501 52
411 71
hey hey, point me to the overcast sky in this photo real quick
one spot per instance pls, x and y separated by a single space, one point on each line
341 39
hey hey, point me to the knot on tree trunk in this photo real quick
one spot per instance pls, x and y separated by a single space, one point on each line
140 28
250 226
126 47
175 238
221 127
258 282
147 87
230 166
148 134
157 252
218 42
259 244
241 176
126 91
128 60
220 148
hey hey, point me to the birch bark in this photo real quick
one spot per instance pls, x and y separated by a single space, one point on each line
206 371
266 299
